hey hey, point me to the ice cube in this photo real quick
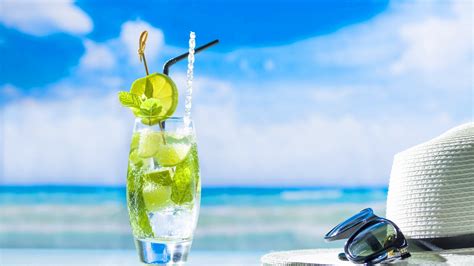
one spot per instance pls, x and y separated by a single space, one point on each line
172 222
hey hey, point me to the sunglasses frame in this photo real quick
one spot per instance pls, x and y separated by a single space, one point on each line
399 244
345 229
354 225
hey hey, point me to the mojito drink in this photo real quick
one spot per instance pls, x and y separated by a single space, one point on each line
163 187
163 181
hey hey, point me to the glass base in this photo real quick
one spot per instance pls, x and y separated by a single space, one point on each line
160 253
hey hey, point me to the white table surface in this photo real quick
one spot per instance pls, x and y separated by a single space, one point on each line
66 257
330 257
63 257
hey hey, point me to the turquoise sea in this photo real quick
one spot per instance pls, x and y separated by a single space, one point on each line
231 219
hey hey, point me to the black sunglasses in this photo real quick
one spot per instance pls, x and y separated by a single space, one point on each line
372 239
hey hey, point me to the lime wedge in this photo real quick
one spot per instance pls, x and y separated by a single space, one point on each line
160 177
149 143
134 158
156 189
174 151
138 162
171 154
155 196
135 141
158 86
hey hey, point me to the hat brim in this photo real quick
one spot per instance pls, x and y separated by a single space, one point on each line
463 256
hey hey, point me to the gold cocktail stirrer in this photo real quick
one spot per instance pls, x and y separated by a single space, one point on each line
141 49
141 55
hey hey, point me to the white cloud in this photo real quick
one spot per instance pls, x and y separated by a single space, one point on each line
313 149
438 45
331 95
41 18
410 43
104 56
97 56
83 139
336 113
80 140
130 33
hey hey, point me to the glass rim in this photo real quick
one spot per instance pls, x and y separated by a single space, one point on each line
174 121
172 118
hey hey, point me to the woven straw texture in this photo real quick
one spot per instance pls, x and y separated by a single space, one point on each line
431 189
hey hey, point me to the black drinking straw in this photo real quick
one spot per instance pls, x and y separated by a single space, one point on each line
173 61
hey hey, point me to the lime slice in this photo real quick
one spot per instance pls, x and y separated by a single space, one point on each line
135 140
156 196
172 154
174 151
160 177
134 158
149 143
156 189
138 162
158 86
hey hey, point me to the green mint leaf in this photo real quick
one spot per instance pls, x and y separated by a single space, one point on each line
128 99
148 88
182 189
151 108
150 111
138 216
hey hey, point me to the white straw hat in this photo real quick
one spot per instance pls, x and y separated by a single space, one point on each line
431 189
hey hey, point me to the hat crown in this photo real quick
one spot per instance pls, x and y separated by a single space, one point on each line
431 189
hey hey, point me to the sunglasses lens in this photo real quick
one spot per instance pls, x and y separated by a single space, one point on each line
344 229
372 240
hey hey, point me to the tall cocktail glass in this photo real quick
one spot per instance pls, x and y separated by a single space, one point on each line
163 189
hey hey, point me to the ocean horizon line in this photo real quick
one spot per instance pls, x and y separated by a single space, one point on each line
211 187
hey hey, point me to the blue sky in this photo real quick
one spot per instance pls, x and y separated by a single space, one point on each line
52 53
298 93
